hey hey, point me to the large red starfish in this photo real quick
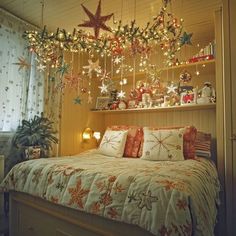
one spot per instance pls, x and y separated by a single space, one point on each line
96 21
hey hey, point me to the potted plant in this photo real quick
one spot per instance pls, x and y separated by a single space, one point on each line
34 137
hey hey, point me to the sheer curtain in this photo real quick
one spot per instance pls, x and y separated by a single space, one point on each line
21 90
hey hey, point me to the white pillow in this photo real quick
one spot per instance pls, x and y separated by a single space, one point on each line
113 143
165 145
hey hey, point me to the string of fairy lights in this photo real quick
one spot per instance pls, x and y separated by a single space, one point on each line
165 32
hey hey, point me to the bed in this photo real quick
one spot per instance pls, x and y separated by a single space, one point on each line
96 194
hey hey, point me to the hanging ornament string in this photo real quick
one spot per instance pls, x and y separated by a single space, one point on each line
121 75
78 58
112 69
78 71
47 78
42 13
134 72
72 63
134 59
171 8
105 63
167 74
121 11
134 9
197 71
89 81
173 76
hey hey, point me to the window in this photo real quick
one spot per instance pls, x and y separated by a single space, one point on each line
21 87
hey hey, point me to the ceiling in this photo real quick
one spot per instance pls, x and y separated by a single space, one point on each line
198 15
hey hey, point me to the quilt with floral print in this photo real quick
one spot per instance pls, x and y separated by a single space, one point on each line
163 197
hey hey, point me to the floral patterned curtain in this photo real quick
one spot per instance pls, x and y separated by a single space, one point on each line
21 87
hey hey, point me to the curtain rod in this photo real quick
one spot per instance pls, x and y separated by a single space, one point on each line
18 18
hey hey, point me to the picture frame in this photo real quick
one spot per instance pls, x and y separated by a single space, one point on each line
188 97
102 103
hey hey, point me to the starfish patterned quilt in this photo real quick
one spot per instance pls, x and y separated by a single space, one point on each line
163 197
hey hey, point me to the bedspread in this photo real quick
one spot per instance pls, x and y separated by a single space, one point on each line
165 198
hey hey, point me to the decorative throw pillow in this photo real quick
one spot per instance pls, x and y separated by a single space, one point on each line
166 145
133 141
203 144
113 143
189 137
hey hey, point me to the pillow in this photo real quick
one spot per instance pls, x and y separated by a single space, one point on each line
189 137
113 143
133 141
203 144
163 145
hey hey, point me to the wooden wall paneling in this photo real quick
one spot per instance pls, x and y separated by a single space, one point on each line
204 120
75 118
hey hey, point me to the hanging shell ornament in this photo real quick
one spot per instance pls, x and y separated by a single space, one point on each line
185 76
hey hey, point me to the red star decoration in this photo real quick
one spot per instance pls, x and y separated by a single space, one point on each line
73 81
96 21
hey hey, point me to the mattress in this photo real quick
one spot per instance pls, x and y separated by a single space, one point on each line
163 197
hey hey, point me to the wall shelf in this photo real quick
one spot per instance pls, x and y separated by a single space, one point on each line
203 62
185 65
162 109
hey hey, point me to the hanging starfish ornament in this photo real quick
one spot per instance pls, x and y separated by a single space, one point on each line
63 69
22 63
104 88
92 66
77 100
105 76
60 87
96 21
41 67
172 88
73 81
117 60
186 39
121 94
90 99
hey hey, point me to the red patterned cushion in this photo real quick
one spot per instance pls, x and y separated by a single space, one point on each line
133 141
189 137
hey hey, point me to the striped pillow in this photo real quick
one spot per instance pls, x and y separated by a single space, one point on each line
203 144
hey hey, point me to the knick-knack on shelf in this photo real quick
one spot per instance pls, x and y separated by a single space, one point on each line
207 94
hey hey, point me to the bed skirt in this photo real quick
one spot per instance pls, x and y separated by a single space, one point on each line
31 215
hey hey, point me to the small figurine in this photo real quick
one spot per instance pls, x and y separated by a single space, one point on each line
207 94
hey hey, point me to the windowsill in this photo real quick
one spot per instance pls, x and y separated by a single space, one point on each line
5 135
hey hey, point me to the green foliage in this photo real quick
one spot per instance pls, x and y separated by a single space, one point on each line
35 132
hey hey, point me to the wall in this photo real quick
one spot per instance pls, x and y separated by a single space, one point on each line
75 118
